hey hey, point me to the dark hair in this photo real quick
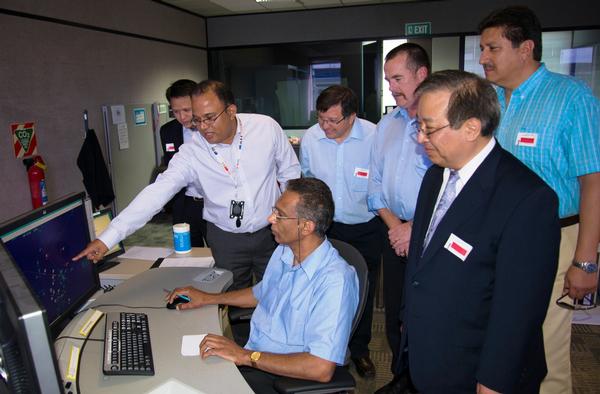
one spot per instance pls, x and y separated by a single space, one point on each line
471 97
315 204
518 24
416 56
221 90
180 88
337 94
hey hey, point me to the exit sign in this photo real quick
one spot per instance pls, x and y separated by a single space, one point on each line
417 29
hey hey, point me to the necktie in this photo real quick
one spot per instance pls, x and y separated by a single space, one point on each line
445 202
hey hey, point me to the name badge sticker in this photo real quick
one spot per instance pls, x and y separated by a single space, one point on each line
526 139
170 147
361 173
458 247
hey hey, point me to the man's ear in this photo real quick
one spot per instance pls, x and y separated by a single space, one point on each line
472 127
422 73
526 49
307 227
232 110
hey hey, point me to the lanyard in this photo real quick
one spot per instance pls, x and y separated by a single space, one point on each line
233 172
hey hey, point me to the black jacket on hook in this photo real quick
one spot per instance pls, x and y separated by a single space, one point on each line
96 179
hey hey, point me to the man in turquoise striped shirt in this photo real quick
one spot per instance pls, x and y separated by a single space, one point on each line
551 123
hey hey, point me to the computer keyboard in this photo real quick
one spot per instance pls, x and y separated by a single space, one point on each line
127 349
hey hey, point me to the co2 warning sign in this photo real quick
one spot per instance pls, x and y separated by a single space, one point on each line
24 141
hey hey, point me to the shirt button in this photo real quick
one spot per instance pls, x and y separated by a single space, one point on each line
415 283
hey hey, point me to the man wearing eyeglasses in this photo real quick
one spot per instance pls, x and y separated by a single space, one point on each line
483 251
337 150
305 303
187 205
241 162
551 122
397 167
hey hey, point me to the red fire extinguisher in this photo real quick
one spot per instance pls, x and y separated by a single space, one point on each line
37 180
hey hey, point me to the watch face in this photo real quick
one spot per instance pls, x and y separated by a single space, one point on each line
590 268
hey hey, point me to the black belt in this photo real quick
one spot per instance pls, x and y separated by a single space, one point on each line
569 221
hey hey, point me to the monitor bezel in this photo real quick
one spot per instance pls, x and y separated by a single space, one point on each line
28 319
57 325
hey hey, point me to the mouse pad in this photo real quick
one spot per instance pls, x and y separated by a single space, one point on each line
190 344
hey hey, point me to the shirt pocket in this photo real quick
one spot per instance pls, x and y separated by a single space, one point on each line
297 318
359 184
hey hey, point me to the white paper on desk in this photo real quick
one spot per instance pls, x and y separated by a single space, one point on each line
146 253
190 344
203 262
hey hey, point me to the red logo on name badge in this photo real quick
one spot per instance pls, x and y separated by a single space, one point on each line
456 247
526 139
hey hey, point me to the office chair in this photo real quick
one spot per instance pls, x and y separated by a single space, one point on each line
342 380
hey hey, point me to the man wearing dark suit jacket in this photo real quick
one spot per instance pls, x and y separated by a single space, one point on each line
187 205
483 252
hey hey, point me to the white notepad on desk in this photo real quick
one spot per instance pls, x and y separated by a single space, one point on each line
146 253
202 262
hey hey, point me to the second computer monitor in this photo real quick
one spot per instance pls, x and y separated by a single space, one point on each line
42 243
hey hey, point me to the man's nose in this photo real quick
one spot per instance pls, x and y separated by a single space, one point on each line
483 56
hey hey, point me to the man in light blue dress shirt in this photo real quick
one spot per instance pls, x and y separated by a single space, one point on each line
305 302
551 123
398 164
337 150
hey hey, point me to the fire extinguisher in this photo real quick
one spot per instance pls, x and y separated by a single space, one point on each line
37 180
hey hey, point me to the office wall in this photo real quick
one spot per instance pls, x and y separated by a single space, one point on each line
385 20
89 54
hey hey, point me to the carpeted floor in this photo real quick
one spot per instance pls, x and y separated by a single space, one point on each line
585 346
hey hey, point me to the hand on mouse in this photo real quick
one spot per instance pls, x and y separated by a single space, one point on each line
197 297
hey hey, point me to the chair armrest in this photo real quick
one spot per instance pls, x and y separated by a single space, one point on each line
341 380
237 315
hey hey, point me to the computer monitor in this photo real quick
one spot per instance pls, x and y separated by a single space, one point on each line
27 361
42 243
102 219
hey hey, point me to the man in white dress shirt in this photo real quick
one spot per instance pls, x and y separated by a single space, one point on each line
241 162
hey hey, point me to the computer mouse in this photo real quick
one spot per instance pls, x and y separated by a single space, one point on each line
177 301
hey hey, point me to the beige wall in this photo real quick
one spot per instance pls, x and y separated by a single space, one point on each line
51 71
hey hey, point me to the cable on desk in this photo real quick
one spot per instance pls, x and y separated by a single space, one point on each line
79 365
78 338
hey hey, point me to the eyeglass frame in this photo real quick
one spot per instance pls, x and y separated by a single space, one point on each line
279 217
427 134
208 121
590 297
329 121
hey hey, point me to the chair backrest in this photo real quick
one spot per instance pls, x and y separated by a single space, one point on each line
355 259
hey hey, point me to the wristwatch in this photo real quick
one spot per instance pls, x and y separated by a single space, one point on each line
254 357
587 266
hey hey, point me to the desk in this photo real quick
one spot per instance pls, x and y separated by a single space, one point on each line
128 268
191 374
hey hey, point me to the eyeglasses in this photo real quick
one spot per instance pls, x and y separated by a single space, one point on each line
423 131
278 217
587 302
330 121
209 120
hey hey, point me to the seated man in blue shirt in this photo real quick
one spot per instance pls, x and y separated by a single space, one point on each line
305 302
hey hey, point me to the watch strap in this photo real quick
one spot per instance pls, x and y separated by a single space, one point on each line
586 266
